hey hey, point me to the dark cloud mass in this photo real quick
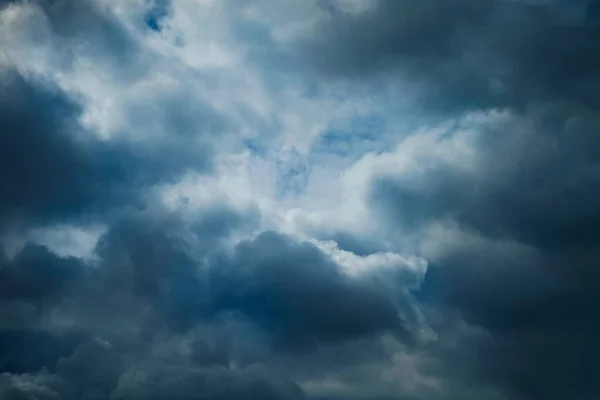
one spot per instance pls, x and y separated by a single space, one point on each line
36 274
189 382
530 276
51 169
208 299
469 54
150 281
299 294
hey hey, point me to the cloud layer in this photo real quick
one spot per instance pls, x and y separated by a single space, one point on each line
354 199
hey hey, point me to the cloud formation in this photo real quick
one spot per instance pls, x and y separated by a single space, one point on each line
354 199
52 169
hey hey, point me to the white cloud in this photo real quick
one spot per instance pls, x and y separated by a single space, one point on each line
373 263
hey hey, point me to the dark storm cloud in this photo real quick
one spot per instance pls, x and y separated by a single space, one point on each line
156 258
168 310
542 327
162 310
467 53
42 387
147 287
153 260
29 350
190 382
101 371
537 182
52 169
35 274
148 261
530 277
31 283
292 290
153 284
300 295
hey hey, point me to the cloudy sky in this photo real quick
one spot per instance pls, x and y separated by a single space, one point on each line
299 199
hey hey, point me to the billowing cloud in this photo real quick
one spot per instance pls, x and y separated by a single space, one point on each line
297 292
52 169
353 199
473 54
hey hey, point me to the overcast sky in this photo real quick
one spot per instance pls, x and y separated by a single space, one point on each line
299 199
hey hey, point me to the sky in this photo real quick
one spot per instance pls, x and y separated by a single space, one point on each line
299 199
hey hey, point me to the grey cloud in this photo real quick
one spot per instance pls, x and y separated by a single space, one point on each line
85 28
147 288
523 263
273 281
100 371
29 350
300 295
51 169
32 283
190 382
522 266
528 281
162 310
465 54
535 181
42 387
269 301
35 274
541 324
